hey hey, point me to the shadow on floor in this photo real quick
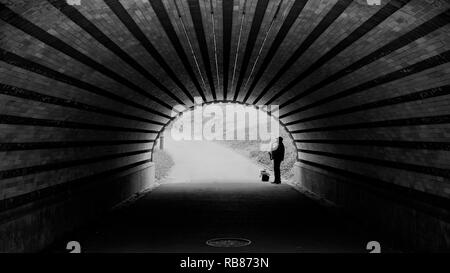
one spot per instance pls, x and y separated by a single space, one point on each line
181 217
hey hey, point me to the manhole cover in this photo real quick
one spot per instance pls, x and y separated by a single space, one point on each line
228 242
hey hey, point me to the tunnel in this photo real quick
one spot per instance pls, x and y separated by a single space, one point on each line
362 86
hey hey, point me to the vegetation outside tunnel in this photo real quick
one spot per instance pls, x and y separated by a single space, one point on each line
248 137
163 163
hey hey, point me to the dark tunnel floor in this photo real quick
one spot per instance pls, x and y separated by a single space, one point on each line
181 217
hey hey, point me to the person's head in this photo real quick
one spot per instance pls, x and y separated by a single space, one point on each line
280 139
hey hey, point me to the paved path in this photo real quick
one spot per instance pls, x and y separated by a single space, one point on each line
181 217
216 195
206 161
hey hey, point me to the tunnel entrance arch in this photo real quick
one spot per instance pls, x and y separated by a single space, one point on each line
244 128
178 114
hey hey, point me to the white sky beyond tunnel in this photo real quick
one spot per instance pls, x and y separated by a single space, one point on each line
227 122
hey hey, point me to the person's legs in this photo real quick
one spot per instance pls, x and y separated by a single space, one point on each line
276 169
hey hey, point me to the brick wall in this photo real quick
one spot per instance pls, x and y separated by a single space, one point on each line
85 90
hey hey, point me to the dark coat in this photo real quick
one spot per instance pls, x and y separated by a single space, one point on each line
278 154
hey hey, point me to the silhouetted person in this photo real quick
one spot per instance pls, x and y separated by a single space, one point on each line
277 156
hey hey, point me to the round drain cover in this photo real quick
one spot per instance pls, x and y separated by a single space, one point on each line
228 242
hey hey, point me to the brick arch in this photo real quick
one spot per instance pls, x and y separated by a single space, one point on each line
363 90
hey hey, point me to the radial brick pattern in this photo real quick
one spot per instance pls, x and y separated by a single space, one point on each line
363 89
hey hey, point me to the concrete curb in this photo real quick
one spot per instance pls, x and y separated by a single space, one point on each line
132 199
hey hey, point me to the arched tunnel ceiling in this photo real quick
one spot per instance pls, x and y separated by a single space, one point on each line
362 88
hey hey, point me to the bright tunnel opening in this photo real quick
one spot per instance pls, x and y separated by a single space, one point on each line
222 142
